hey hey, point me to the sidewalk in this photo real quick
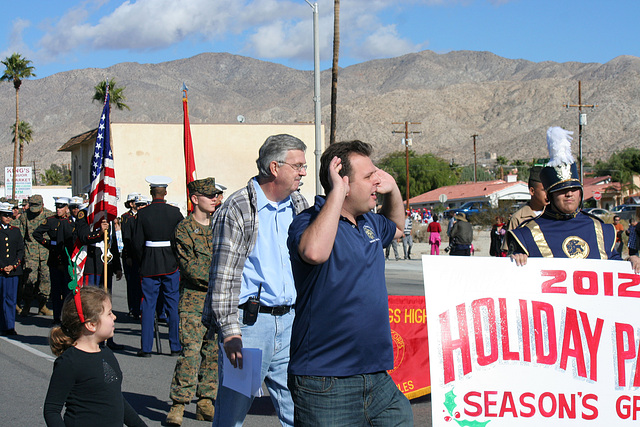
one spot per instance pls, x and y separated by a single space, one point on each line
481 243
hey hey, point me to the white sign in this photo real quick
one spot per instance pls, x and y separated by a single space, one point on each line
597 195
23 181
555 342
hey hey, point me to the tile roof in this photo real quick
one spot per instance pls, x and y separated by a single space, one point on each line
464 191
79 139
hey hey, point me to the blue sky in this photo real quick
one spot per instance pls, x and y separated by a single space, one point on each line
63 35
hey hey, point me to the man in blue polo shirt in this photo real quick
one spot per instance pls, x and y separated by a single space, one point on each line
341 342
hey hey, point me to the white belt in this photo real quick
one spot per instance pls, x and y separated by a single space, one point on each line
157 244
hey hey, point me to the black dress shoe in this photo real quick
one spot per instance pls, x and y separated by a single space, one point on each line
175 353
141 353
12 332
113 346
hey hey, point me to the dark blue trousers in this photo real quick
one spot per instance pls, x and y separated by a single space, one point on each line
169 285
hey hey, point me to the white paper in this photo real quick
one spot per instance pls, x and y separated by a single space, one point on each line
247 380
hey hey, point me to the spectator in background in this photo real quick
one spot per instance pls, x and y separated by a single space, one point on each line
461 236
632 232
497 236
407 240
619 233
434 229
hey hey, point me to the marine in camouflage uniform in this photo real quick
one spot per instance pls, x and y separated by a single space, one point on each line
35 282
196 370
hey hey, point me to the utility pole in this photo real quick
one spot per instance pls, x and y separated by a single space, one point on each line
582 121
407 143
475 158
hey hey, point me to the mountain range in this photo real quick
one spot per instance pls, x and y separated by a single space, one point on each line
508 103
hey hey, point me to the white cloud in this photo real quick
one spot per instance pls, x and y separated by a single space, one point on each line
385 42
16 42
265 28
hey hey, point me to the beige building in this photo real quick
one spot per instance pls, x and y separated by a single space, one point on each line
227 152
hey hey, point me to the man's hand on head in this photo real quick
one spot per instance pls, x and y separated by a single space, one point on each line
387 183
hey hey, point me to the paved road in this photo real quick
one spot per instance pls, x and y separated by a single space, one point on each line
26 363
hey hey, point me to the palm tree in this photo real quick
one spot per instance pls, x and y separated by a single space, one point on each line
16 69
25 134
116 98
334 70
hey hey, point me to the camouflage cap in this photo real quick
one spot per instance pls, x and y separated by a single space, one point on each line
14 203
206 187
35 203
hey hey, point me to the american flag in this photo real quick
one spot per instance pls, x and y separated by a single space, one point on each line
102 200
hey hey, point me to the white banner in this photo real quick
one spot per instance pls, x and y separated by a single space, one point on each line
23 182
553 342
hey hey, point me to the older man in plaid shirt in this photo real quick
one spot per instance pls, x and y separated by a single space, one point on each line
251 262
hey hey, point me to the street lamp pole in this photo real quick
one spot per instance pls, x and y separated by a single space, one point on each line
316 93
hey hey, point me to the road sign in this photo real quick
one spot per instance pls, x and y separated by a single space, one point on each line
597 195
442 198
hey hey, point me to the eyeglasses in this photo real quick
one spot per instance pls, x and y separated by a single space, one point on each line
297 167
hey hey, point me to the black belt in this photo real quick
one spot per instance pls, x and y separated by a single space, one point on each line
278 310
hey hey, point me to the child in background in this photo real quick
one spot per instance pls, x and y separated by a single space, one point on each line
85 377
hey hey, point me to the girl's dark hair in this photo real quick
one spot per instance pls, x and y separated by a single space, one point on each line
64 336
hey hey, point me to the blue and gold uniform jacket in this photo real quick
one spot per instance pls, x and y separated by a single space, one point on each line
584 236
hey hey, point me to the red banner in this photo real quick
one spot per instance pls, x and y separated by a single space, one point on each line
189 162
408 318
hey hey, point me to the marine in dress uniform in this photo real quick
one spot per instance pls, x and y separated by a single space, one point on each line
11 256
129 260
196 371
158 265
563 230
57 233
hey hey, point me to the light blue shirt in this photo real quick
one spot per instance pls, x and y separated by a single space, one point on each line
269 263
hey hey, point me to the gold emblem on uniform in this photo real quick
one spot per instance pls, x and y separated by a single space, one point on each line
80 214
575 247
370 234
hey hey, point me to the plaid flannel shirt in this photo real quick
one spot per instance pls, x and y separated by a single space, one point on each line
235 231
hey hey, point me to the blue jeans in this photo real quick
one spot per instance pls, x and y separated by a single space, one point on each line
358 400
169 284
271 334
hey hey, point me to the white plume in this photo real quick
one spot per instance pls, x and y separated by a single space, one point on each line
559 144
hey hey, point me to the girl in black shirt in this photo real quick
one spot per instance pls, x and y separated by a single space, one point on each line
85 377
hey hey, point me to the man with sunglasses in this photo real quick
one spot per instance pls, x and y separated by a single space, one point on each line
56 233
196 371
251 291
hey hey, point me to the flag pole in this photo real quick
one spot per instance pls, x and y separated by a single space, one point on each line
105 260
189 161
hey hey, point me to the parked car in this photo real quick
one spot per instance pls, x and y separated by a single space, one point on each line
600 213
626 212
469 209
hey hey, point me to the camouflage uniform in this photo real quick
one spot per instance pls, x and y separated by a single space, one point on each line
35 282
198 362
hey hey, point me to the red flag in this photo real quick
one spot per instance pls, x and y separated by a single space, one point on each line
189 162
408 318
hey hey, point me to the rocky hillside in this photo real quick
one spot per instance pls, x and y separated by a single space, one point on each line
509 103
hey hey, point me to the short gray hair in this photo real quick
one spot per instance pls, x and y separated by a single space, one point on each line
275 148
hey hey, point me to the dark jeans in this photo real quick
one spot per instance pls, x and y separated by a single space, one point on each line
358 400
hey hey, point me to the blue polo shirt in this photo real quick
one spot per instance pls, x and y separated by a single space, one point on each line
341 326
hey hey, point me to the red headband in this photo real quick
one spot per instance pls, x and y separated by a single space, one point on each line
78 301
